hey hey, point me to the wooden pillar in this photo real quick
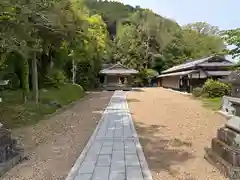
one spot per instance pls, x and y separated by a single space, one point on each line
190 83
130 79
105 80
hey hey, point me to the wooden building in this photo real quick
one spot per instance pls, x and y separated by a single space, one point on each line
193 74
117 77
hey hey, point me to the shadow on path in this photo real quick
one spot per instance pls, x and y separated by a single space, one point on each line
162 153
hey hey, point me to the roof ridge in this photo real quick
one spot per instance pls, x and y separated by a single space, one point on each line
185 64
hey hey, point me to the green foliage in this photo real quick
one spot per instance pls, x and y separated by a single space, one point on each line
69 34
232 37
111 12
212 103
203 28
215 88
65 94
55 78
15 114
144 39
197 92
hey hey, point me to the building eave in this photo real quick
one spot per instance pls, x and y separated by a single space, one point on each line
181 73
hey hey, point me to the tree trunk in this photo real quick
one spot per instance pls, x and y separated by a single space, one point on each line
147 64
73 72
35 79
25 79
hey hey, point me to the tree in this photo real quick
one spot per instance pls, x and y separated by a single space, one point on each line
203 28
232 38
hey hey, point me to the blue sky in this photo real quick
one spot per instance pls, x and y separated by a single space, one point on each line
221 13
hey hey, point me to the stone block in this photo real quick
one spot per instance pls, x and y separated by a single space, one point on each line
86 168
101 173
83 177
116 176
130 147
106 150
104 160
134 173
223 166
118 145
234 123
229 137
132 160
231 155
118 167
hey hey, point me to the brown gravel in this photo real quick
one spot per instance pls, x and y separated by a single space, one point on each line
174 130
55 144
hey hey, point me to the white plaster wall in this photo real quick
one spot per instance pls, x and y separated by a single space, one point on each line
171 82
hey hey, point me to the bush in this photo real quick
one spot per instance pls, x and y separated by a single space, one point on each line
197 92
55 78
63 95
215 88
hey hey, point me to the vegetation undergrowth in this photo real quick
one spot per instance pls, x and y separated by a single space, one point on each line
212 103
15 114
211 93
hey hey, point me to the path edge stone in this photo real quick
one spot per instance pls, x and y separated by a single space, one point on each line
74 170
144 165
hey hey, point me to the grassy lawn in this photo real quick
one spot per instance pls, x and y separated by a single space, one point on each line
15 114
212 103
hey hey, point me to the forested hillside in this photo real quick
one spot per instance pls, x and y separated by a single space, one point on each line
46 43
45 46
143 39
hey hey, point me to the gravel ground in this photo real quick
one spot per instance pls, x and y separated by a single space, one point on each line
174 130
54 144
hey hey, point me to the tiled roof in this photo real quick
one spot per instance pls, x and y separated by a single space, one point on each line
178 73
218 73
117 69
187 65
212 64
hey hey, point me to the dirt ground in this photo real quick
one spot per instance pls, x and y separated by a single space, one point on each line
54 144
174 130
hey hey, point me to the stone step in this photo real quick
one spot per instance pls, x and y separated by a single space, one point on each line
229 171
229 137
229 154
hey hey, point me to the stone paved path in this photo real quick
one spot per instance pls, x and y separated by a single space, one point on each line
114 151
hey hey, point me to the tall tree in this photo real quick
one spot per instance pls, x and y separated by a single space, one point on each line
203 28
232 38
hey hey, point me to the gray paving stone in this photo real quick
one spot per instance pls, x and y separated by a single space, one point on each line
118 167
130 147
118 145
91 158
134 173
117 176
86 168
106 150
118 156
104 160
107 143
95 148
115 152
101 173
118 133
83 177
132 160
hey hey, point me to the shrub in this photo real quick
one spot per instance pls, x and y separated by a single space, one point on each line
197 92
215 88
55 78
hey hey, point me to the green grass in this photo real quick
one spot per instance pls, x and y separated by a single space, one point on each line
212 103
15 114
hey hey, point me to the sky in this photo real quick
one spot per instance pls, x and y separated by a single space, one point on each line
221 13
